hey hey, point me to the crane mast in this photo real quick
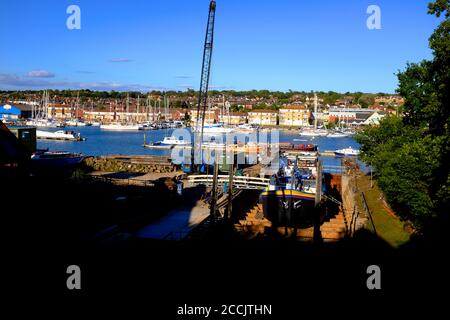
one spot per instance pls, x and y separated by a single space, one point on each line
204 83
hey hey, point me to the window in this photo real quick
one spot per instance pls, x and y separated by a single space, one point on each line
25 135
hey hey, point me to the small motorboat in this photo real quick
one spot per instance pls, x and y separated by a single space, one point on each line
55 159
347 152
59 135
172 141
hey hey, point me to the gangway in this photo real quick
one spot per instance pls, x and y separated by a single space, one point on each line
239 182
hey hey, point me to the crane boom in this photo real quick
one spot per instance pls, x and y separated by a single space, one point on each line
204 81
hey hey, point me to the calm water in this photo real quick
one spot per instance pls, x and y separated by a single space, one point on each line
101 142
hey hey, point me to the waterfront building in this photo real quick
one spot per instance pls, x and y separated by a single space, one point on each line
111 116
63 112
263 117
374 119
235 118
9 112
348 114
211 116
294 116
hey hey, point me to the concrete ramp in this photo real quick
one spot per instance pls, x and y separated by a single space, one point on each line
176 224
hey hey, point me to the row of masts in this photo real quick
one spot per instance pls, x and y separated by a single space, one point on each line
224 111
154 109
40 111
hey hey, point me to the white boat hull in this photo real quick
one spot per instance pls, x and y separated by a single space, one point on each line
119 127
58 135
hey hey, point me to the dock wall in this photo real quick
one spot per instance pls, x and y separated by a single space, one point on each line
138 164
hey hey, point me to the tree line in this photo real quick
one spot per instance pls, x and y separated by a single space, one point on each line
411 153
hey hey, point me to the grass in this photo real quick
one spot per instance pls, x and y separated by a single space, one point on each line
388 227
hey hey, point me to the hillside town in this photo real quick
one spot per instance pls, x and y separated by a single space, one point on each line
229 109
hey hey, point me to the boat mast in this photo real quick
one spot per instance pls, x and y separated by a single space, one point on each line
159 109
153 111
137 110
76 105
45 111
147 108
315 111
127 107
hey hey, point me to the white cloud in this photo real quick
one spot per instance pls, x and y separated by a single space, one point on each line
120 60
40 74
12 81
85 72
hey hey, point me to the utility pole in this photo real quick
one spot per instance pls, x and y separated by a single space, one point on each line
317 235
230 192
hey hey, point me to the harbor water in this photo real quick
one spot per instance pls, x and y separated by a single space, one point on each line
101 142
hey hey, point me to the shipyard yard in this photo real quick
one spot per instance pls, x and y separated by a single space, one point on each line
214 172
132 223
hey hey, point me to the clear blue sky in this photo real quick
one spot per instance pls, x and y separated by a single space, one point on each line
259 44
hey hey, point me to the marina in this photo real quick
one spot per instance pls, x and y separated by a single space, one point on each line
278 159
100 143
282 154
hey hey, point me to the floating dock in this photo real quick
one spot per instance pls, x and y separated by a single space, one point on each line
326 153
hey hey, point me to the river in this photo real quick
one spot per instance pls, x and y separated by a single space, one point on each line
101 142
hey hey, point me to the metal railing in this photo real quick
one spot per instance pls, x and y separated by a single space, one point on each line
239 182
333 169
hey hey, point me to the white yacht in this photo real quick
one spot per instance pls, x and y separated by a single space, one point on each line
246 128
346 152
120 127
313 132
59 135
215 128
42 123
173 141
337 134
75 123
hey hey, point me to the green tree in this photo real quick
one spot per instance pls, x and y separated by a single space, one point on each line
411 153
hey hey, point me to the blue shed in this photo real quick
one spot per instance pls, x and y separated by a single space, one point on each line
9 112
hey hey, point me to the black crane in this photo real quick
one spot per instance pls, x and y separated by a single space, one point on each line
204 83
